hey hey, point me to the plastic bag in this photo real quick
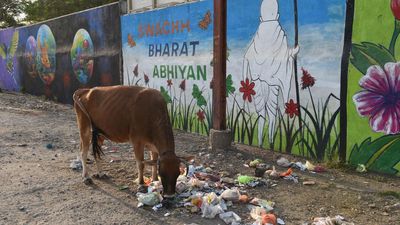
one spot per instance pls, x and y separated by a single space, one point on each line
310 166
210 211
255 162
231 195
339 220
245 179
150 199
267 205
283 162
230 217
257 212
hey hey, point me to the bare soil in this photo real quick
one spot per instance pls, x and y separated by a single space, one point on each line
38 140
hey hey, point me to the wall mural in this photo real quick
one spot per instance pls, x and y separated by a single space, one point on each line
264 61
374 87
9 78
55 61
171 50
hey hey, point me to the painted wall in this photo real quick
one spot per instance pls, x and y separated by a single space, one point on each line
58 56
9 76
263 107
373 88
171 50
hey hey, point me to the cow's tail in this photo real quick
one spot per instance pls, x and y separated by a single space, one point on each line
97 151
96 148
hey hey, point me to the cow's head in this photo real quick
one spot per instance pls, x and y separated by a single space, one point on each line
168 170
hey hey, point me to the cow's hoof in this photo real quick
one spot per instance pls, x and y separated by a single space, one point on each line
142 189
87 181
101 176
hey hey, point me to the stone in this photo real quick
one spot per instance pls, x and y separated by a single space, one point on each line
220 139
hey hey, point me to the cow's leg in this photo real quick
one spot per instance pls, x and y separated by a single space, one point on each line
154 174
85 143
85 137
138 149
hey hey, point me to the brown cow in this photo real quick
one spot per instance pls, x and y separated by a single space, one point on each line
128 114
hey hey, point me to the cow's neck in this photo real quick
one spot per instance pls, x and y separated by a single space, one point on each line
165 141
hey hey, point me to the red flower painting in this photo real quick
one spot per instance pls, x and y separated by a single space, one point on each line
201 115
380 98
292 108
182 86
247 90
306 80
146 78
395 6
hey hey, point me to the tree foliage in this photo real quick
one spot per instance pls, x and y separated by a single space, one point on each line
10 10
40 10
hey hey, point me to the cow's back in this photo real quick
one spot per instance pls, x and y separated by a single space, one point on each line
123 112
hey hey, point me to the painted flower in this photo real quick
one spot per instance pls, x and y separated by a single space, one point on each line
201 115
292 108
136 70
380 98
306 80
146 78
169 83
247 89
182 86
395 6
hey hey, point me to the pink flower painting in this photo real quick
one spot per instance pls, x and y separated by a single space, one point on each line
380 98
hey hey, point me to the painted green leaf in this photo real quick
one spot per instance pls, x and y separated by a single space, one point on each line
196 93
3 51
229 85
14 43
367 54
165 95
381 155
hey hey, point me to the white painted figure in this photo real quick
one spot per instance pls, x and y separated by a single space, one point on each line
269 63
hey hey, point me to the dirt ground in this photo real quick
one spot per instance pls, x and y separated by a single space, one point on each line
38 140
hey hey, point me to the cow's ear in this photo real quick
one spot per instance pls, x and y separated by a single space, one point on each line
186 159
150 162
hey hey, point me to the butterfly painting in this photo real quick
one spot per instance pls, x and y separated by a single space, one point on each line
131 42
9 53
206 21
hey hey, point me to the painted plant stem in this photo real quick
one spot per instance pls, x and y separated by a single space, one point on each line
395 35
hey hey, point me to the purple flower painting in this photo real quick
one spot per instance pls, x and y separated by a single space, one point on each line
380 98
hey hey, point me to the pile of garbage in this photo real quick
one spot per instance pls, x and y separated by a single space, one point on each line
201 191
308 166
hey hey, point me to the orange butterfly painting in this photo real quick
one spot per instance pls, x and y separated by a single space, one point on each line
131 42
203 24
